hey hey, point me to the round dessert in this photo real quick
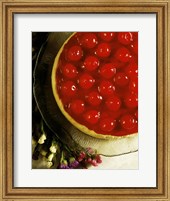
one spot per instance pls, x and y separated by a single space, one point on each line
95 82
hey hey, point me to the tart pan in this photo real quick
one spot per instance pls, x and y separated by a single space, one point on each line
52 115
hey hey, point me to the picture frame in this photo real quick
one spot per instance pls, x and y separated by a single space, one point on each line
8 10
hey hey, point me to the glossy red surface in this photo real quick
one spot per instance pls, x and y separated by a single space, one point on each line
97 81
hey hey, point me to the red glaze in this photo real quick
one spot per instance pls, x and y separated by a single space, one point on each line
113 103
69 71
132 70
121 79
107 125
108 70
94 98
75 53
133 86
131 101
128 122
91 116
103 50
86 81
136 114
68 88
125 38
106 88
106 36
88 40
134 47
123 54
91 63
97 81
77 106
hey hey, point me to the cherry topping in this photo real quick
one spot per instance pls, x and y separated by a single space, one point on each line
68 88
106 36
91 116
106 88
69 71
113 103
125 38
104 114
133 86
136 114
75 53
121 79
128 122
123 54
107 124
132 70
89 40
86 81
108 70
91 63
77 106
94 98
131 101
97 81
134 47
103 50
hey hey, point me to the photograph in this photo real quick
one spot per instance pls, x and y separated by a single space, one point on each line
85 100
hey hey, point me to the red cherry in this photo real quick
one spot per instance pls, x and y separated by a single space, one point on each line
107 124
89 40
135 35
123 54
125 37
69 71
106 88
75 53
136 114
106 36
134 47
103 50
77 106
131 101
68 88
91 63
132 70
91 116
128 122
86 81
113 103
108 70
94 98
133 86
121 79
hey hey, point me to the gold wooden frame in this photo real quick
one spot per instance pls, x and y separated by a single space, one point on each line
8 9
